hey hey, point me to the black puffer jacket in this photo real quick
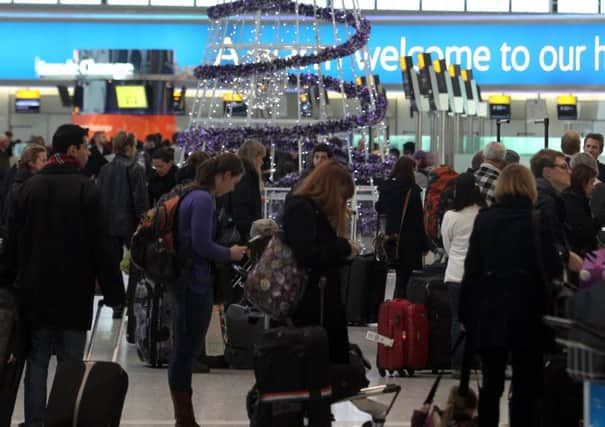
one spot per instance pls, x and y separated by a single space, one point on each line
123 195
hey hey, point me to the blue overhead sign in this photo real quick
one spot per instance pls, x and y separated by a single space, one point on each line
503 53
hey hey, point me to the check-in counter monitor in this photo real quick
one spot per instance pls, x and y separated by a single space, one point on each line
567 108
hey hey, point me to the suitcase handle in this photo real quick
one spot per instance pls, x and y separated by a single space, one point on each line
93 332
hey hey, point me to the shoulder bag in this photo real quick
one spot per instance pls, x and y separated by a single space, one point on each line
386 246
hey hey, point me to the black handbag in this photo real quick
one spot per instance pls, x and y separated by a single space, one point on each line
386 246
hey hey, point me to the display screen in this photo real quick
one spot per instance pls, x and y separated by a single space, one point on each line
131 97
567 112
27 105
499 111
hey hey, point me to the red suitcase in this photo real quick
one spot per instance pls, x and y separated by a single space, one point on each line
407 324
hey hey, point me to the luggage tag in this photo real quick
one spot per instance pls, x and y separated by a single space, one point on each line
380 339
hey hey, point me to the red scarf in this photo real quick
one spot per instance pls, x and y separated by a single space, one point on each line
64 159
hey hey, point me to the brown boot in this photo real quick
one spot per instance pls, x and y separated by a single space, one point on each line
183 409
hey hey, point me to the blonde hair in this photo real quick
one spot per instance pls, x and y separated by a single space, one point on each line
30 155
458 406
330 186
248 152
516 180
122 141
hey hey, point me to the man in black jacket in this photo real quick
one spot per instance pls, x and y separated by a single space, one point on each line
593 145
553 177
57 248
163 177
124 199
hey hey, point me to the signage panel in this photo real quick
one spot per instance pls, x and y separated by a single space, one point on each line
503 53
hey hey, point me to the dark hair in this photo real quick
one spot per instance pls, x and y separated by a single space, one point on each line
477 160
466 192
403 170
395 152
409 148
580 176
336 141
323 148
511 157
196 158
223 163
165 154
596 136
570 142
544 159
67 135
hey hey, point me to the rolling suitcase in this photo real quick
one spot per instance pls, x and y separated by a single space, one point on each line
406 324
152 314
291 367
362 289
87 393
244 329
427 287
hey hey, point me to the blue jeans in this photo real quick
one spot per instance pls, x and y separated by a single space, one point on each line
68 346
453 290
190 318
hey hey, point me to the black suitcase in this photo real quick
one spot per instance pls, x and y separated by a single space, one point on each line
363 284
244 328
427 287
87 393
152 317
12 355
563 399
291 367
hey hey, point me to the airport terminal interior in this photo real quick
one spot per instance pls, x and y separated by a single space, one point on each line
457 80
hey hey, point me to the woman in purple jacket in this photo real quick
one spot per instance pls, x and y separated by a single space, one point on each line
191 298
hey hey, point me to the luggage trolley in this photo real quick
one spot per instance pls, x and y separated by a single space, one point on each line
376 409
366 400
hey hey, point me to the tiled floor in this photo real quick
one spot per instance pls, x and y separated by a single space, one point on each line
220 395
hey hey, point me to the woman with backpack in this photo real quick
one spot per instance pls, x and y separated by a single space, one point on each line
399 199
191 296
315 224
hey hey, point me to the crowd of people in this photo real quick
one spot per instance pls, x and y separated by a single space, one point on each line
503 260
69 214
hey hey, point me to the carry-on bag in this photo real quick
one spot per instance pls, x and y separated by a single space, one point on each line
291 366
88 393
12 356
427 287
244 328
152 317
405 326
363 284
